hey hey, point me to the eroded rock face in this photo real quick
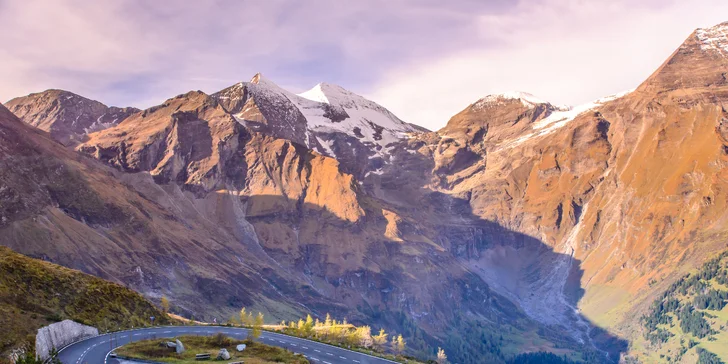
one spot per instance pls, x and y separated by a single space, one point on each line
60 334
66 116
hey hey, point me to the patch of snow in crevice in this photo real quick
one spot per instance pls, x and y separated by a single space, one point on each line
326 144
99 125
378 172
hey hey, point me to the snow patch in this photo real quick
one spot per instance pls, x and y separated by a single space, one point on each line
561 117
327 147
329 109
315 94
526 99
715 39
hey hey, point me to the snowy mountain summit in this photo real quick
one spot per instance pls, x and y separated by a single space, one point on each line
309 117
327 118
525 98
363 118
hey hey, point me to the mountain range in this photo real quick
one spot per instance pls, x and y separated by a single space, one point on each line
520 226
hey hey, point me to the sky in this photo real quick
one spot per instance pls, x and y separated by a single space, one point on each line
425 60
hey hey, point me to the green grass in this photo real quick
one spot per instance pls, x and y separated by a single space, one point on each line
34 293
254 353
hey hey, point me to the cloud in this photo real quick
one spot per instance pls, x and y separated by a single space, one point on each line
424 59
140 52
567 52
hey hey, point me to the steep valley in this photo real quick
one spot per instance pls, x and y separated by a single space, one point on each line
520 226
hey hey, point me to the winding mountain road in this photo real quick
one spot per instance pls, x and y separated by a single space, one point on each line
96 350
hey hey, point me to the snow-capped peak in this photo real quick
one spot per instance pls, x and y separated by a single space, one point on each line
526 99
377 124
326 108
715 38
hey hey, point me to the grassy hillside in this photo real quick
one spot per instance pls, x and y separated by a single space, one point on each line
34 293
689 321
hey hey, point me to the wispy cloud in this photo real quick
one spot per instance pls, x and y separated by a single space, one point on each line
564 51
424 59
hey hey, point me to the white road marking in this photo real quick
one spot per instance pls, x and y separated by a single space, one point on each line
294 344
342 357
304 347
317 350
355 361
329 354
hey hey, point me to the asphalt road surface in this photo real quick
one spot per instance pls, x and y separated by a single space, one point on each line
96 349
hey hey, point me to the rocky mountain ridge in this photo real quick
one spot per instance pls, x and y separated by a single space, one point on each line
558 223
66 116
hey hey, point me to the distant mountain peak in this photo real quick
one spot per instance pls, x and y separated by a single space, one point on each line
68 117
527 99
314 117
